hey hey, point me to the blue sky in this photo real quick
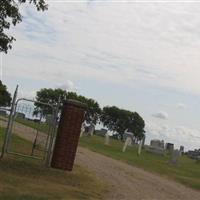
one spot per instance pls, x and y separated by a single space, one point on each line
138 55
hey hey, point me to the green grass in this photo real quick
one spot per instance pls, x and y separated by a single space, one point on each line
186 172
28 179
19 145
43 127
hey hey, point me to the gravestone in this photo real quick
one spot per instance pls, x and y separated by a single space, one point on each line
82 129
49 119
174 157
156 146
170 147
181 150
107 139
91 130
140 147
20 115
198 159
2 113
128 142
129 134
193 154
157 143
143 141
102 132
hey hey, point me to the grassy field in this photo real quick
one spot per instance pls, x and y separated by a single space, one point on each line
186 172
43 127
28 179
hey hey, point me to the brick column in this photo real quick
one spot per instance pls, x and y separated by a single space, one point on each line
68 135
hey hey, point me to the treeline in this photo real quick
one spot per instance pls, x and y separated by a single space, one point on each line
112 117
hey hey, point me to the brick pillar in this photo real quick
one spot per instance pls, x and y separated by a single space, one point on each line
68 135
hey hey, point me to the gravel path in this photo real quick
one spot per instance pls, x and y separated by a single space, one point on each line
131 183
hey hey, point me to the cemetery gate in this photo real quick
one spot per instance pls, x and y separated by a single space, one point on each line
28 129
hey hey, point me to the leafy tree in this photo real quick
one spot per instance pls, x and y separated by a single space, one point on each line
118 120
5 97
53 96
93 109
10 15
50 96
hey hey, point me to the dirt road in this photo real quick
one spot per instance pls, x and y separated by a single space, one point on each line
131 183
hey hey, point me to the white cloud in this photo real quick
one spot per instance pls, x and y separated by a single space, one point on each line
161 115
179 135
68 86
181 106
26 94
121 42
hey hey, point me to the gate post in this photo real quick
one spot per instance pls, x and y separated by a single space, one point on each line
68 135
9 125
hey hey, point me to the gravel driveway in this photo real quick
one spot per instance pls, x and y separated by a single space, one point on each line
131 183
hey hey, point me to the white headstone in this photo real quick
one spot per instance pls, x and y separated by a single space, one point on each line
175 156
129 134
140 147
91 129
107 139
82 129
128 142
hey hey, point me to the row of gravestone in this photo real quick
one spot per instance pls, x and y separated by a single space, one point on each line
194 154
156 146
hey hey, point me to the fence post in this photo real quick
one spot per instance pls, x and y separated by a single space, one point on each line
9 125
68 135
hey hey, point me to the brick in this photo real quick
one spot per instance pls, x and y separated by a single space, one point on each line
68 135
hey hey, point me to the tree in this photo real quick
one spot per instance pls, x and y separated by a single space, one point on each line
93 109
49 96
10 15
5 97
53 96
118 120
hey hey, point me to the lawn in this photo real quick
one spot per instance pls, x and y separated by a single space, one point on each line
28 179
43 127
186 172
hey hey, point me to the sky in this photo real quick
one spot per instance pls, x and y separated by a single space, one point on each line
143 56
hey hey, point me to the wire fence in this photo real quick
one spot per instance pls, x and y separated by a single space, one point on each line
4 117
31 132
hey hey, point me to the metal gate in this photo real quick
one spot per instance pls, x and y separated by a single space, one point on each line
30 129
4 119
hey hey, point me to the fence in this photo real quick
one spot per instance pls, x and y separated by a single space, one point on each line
4 118
28 128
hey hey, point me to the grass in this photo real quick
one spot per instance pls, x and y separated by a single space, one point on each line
28 179
186 172
19 145
43 127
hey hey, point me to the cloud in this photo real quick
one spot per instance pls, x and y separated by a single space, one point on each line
68 86
181 106
110 41
160 115
179 135
27 94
